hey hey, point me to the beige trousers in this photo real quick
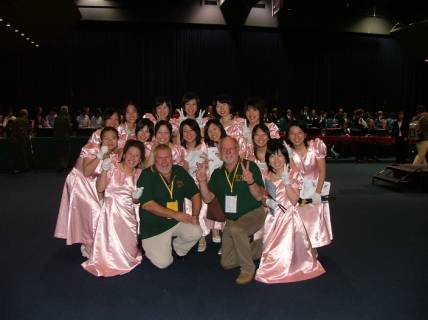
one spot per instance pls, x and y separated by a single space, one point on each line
158 248
237 251
422 147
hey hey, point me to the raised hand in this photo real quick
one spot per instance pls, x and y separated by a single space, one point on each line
106 164
285 177
289 149
182 116
102 152
201 172
247 175
200 117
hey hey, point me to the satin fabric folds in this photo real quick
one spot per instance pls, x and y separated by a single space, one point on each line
115 248
287 252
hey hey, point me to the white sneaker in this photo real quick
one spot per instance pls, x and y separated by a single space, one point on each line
216 236
219 252
202 245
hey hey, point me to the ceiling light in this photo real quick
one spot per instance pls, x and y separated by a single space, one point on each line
1 19
16 30
28 38
7 24
37 45
22 34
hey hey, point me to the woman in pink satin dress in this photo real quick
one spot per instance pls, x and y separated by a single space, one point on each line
163 111
233 125
110 119
213 133
127 129
163 131
308 158
196 153
115 247
145 130
191 109
80 203
287 252
254 112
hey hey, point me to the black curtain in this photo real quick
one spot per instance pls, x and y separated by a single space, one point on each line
103 65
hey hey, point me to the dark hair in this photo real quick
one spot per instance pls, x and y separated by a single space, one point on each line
144 122
161 123
222 98
136 144
189 96
130 103
106 129
193 124
217 123
275 146
108 113
302 126
256 103
262 127
161 100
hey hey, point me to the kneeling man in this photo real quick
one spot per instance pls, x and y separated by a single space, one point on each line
162 214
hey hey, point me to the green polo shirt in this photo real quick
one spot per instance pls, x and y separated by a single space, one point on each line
219 185
155 190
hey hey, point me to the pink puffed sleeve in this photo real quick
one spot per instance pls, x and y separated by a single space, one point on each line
273 131
320 148
89 150
296 179
95 137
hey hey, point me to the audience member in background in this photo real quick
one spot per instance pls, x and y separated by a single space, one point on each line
50 118
18 131
161 209
110 119
421 135
97 119
39 121
61 133
312 119
370 121
400 131
127 129
238 186
80 201
83 120
340 118
115 247
308 159
358 121
380 122
330 121
8 118
322 121
287 252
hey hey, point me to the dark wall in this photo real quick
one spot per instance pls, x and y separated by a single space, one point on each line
108 64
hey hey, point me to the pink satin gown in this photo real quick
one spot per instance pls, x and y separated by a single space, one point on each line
80 205
264 170
115 248
95 137
316 217
235 129
193 157
287 253
124 135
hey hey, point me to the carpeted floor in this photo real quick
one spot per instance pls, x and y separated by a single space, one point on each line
376 267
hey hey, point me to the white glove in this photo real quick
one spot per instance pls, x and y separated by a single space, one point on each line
182 116
289 150
285 177
246 132
106 165
200 118
272 204
137 193
316 198
102 152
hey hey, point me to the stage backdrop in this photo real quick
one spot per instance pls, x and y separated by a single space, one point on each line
109 64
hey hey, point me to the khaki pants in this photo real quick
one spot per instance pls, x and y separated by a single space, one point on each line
158 248
422 147
237 251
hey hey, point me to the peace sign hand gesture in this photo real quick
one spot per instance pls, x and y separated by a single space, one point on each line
201 172
247 175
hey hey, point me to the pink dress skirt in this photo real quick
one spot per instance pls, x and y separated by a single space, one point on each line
115 247
287 252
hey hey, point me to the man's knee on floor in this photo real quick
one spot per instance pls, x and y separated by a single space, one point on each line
161 263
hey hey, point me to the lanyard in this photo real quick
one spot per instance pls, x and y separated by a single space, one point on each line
170 187
234 176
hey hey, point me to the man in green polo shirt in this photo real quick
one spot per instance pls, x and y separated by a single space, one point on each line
238 186
162 214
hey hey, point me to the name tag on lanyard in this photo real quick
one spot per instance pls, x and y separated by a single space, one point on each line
231 204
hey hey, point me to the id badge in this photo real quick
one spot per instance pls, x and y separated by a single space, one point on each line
231 203
172 205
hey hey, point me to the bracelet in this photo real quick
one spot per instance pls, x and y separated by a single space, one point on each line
250 184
